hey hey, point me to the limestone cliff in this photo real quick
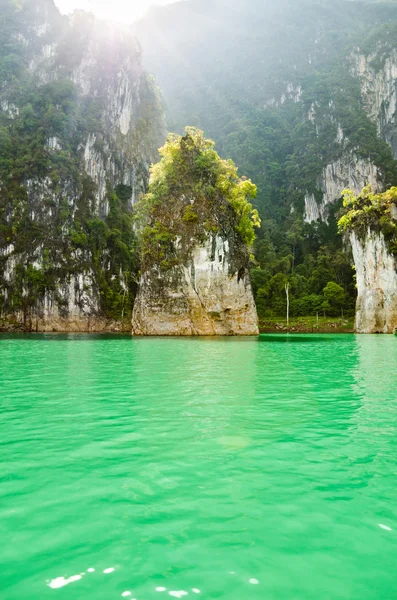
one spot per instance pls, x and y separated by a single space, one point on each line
209 294
379 90
349 171
376 73
80 123
197 228
376 270
370 221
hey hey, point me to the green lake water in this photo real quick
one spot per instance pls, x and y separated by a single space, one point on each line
243 469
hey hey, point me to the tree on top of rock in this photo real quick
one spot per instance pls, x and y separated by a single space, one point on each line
193 193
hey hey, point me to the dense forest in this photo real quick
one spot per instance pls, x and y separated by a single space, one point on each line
272 83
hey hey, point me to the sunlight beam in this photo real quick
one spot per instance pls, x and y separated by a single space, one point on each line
125 11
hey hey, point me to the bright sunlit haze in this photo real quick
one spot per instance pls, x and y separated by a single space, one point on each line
125 11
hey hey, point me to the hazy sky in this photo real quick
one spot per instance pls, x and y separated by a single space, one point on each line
125 11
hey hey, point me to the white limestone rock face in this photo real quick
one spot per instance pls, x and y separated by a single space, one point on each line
379 92
209 295
349 171
376 268
109 68
74 307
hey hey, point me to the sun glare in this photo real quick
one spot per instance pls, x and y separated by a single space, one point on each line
125 11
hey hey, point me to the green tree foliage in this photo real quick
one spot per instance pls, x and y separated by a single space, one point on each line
193 193
334 294
308 257
371 211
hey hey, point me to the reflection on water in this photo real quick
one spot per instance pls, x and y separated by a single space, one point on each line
259 468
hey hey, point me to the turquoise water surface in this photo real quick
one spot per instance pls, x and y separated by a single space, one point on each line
254 469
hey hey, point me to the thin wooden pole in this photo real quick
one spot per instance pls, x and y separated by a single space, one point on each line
287 294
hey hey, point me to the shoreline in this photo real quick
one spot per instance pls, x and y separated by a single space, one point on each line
292 330
301 325
274 325
125 334
307 325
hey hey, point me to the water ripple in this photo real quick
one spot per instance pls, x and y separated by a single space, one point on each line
141 468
